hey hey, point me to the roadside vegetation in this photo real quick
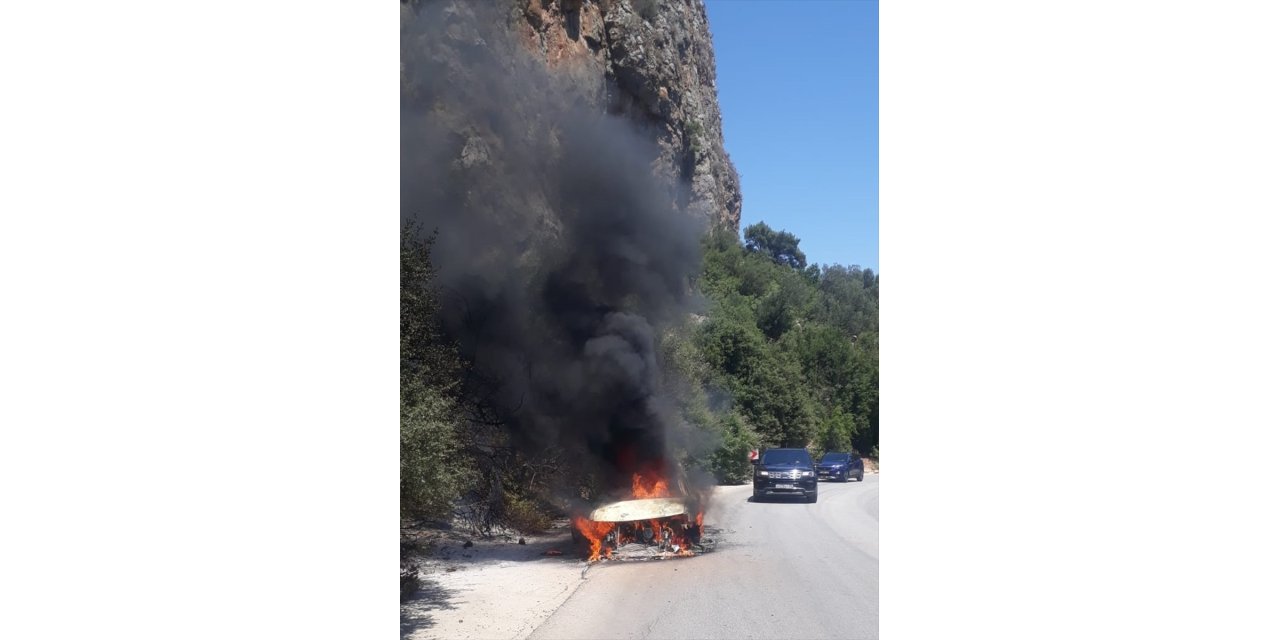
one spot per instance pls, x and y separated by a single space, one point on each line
784 353
793 345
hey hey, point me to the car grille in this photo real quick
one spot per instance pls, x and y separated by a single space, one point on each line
784 475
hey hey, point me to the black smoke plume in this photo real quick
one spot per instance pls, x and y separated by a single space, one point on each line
562 257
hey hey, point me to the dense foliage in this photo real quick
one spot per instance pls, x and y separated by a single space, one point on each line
455 460
430 479
794 345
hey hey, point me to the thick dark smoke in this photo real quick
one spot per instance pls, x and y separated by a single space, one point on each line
562 257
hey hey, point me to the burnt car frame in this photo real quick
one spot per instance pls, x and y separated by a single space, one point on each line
641 529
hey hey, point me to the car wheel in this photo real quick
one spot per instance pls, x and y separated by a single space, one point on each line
860 477
813 497
845 477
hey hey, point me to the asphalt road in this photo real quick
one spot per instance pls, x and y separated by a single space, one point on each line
781 570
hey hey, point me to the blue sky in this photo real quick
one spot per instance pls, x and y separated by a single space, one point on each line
799 82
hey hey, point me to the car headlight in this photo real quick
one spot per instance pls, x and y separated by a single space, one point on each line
805 474
762 473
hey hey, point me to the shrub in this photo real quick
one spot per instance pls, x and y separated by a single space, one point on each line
430 475
648 9
729 463
526 516
692 135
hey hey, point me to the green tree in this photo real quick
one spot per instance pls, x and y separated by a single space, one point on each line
779 246
795 346
865 395
846 302
729 462
430 476
836 432
787 301
829 362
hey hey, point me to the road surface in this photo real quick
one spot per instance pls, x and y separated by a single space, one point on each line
782 570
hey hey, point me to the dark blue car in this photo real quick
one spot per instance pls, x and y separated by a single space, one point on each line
786 472
841 466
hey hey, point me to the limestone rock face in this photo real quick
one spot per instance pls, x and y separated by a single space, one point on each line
648 61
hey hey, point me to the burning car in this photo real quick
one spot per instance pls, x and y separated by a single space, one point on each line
652 525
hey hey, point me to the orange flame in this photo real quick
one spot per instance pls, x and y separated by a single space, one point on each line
649 485
671 530
594 532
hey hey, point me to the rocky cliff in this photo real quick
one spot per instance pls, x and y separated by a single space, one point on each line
568 156
648 61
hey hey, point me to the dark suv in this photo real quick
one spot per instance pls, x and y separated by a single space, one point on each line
838 465
786 472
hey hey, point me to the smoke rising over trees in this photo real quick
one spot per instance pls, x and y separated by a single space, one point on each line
565 324
561 261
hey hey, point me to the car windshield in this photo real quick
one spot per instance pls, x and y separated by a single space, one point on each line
787 456
836 457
